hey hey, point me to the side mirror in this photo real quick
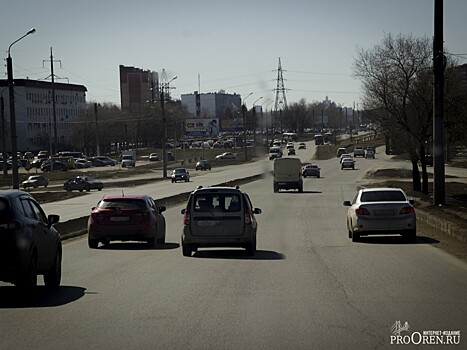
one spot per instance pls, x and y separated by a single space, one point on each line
162 209
347 204
412 201
257 211
183 211
53 219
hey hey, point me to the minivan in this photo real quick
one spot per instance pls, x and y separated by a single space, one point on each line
219 217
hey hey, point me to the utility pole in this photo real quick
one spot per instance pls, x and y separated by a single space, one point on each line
4 154
438 107
98 151
54 110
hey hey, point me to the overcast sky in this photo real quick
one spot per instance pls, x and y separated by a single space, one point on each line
231 45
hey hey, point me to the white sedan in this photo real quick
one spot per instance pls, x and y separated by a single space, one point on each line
381 210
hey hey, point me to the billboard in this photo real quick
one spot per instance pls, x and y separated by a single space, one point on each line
202 127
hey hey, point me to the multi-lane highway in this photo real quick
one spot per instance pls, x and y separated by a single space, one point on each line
308 286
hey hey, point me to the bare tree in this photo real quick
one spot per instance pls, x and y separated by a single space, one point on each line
392 74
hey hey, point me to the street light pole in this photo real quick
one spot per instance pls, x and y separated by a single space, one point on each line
254 126
14 155
244 125
164 86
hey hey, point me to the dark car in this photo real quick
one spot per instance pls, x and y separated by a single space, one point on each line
219 217
102 161
170 156
83 183
57 165
311 170
126 218
35 181
180 174
203 165
29 244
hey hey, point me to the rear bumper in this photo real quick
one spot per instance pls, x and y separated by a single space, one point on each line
218 241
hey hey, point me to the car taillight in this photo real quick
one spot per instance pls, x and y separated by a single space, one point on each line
98 217
247 216
186 218
12 226
407 210
362 211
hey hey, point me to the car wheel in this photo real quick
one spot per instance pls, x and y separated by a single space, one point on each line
304 176
88 188
52 277
173 181
186 250
28 277
251 248
161 240
276 189
151 242
300 189
93 243
411 236
81 190
355 236
35 185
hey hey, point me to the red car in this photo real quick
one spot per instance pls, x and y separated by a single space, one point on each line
126 218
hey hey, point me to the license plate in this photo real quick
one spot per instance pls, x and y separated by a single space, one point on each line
119 218
208 223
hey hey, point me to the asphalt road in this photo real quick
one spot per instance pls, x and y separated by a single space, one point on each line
308 286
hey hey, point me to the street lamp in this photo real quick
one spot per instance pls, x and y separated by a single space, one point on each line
244 125
14 155
254 126
164 86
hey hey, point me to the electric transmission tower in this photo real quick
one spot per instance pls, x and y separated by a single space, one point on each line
281 101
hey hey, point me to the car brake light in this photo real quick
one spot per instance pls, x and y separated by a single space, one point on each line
407 210
362 211
247 216
186 218
12 225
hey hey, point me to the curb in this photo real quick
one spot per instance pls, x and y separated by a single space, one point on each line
454 230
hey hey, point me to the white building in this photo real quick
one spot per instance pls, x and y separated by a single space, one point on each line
35 127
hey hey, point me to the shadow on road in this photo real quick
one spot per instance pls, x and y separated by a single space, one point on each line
41 296
396 240
137 246
238 254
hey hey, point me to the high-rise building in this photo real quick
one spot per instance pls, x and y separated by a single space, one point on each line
138 87
35 124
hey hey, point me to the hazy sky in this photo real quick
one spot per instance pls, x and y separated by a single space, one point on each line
231 45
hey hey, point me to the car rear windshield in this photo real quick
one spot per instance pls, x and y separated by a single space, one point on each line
383 196
223 202
122 204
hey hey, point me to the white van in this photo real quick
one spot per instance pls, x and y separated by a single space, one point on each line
288 174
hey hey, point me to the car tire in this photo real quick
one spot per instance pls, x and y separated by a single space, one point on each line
355 236
304 176
93 243
276 189
28 277
186 250
411 236
53 276
161 240
250 249
300 189
88 188
151 242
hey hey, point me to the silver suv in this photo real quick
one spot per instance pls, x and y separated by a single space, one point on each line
219 217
